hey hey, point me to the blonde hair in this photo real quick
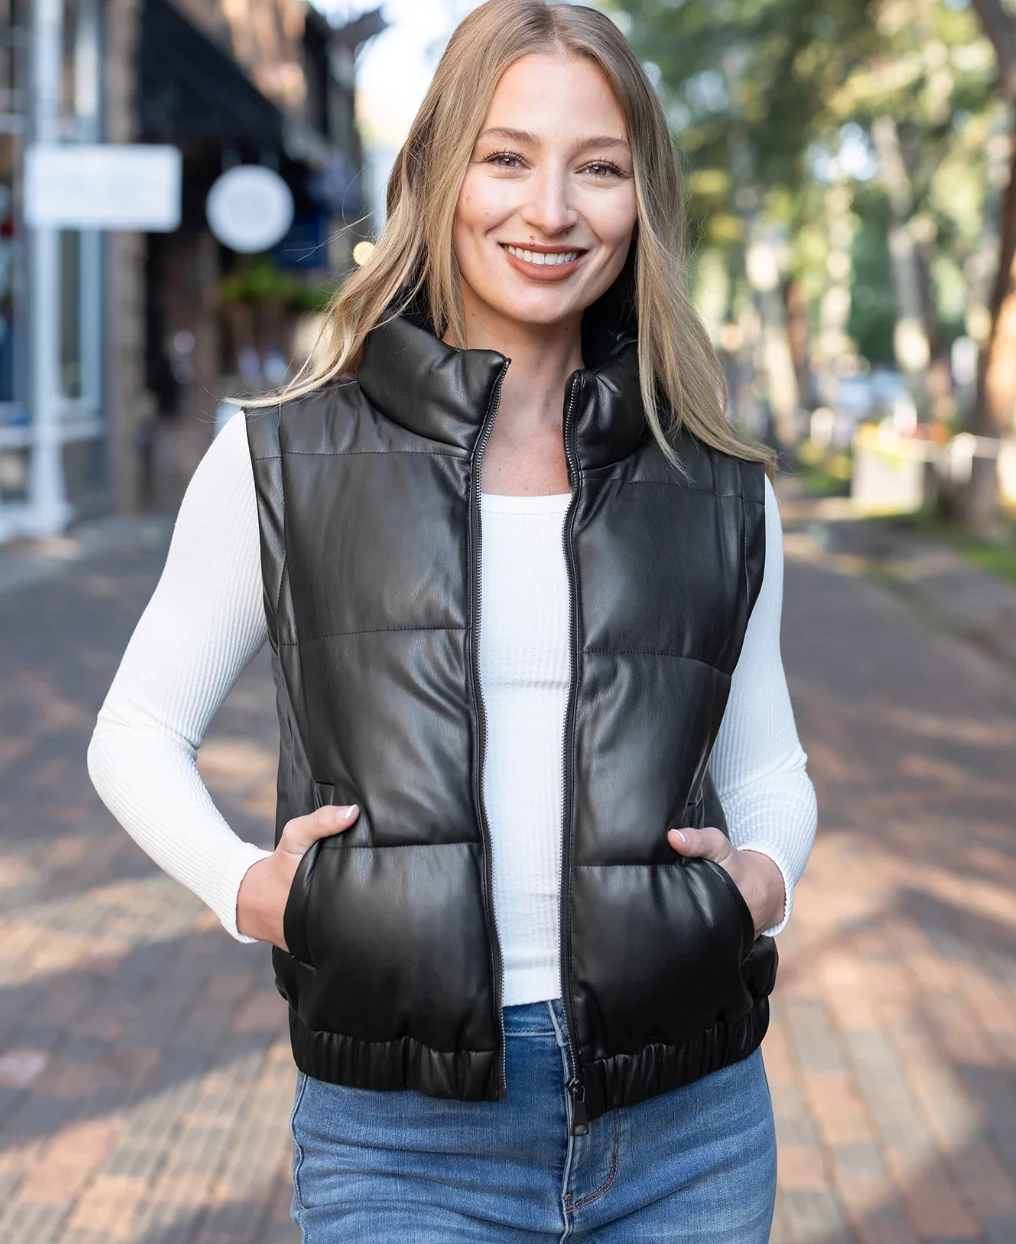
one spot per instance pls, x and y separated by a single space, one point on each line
681 379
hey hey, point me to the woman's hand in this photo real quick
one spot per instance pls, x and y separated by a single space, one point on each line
755 875
261 900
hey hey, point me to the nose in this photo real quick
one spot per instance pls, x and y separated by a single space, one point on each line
549 208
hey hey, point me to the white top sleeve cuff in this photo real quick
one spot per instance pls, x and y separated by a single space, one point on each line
231 870
788 883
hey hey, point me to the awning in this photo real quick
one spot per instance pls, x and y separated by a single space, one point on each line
192 89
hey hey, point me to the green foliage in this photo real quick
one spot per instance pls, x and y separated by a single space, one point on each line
823 473
872 305
756 70
995 553
260 280
763 96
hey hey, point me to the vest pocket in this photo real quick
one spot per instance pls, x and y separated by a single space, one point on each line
294 918
740 906
324 794
398 944
657 954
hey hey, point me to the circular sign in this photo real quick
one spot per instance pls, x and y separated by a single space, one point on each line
249 208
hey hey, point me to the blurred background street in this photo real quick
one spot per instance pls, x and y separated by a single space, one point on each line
851 171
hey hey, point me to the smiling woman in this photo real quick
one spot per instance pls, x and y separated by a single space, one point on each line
416 256
557 203
543 227
541 801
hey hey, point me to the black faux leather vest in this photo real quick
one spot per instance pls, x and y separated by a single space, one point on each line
370 529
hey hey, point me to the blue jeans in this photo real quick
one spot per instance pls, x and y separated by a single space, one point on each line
697 1165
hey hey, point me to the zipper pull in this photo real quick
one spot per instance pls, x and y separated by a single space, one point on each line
580 1116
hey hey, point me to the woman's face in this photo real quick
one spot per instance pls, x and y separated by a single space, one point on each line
547 209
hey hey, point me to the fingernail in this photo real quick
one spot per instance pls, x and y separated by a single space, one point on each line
680 835
353 807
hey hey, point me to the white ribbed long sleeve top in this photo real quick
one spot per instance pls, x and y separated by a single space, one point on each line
206 621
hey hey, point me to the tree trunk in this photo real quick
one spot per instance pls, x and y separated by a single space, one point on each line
776 360
996 381
762 267
796 302
910 340
995 402
833 348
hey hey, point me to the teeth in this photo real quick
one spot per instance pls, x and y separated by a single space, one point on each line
541 259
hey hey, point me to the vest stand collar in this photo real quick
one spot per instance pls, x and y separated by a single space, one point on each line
443 393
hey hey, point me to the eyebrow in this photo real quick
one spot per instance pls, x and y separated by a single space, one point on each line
523 136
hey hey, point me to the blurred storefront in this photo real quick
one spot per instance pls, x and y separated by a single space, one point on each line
13 44
115 348
62 58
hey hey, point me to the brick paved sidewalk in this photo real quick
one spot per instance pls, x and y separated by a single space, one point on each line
891 1055
144 1076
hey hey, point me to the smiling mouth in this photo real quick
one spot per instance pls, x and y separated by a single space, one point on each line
543 259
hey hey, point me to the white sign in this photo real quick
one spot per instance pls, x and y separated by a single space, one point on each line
249 208
103 186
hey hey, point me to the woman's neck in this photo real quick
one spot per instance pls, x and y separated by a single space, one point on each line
543 357
525 453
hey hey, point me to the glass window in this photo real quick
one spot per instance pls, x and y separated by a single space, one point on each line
79 277
15 473
85 467
80 77
70 314
11 16
12 50
8 255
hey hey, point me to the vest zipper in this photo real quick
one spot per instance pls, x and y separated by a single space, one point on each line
576 1086
497 969
580 1116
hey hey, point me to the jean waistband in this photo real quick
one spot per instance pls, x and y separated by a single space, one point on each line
533 1018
